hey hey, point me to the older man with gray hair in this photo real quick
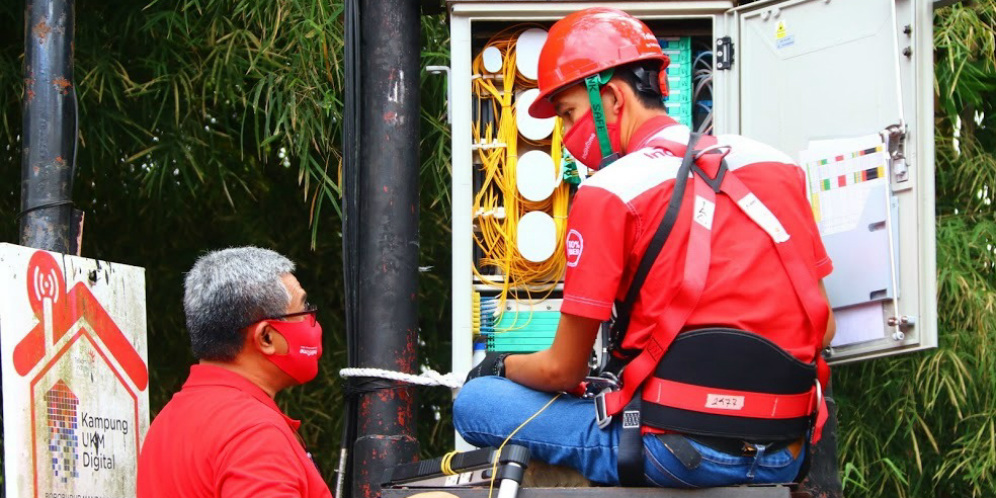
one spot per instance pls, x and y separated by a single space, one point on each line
254 334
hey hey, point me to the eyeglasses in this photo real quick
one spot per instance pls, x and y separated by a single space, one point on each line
300 316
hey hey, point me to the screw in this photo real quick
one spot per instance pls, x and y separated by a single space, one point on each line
93 276
907 51
908 30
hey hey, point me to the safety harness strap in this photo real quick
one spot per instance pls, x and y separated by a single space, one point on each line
624 308
789 254
697 260
697 255
724 402
630 452
629 458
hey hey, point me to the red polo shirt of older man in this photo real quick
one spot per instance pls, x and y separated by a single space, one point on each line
222 436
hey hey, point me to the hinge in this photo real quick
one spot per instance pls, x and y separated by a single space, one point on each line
445 71
724 53
894 137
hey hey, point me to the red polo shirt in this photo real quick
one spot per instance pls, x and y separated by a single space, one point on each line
222 436
616 212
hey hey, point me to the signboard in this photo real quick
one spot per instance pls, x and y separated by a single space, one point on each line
75 375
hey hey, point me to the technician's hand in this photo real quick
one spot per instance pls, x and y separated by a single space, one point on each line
492 364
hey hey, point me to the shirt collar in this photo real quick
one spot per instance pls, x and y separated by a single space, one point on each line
211 375
648 130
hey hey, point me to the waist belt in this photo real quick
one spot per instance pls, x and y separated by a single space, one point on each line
723 402
730 383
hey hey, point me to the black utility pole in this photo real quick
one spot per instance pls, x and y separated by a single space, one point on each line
385 226
48 143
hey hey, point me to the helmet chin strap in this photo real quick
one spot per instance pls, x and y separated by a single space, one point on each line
594 85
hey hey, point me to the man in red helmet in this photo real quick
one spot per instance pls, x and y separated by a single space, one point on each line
720 308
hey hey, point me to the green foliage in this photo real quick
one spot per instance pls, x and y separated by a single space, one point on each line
923 425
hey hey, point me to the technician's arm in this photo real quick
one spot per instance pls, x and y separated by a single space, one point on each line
831 323
564 365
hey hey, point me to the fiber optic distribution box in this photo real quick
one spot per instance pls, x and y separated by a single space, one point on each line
845 87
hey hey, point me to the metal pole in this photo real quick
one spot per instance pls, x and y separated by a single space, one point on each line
351 131
49 135
388 236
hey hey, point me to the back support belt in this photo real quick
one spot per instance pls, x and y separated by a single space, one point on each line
730 383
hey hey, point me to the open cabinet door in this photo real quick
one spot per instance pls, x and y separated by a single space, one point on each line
846 87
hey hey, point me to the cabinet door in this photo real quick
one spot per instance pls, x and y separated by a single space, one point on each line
818 70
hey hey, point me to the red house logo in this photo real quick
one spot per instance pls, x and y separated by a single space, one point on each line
58 311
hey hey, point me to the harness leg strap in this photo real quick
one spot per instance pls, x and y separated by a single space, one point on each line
629 463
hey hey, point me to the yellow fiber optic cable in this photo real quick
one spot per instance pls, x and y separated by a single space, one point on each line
497 154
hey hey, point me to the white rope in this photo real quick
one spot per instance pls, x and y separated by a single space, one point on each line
429 377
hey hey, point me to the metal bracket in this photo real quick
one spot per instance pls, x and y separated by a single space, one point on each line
449 88
894 137
724 53
901 324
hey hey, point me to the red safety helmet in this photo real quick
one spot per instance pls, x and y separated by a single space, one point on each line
588 42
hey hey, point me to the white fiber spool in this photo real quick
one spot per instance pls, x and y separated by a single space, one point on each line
527 51
530 127
535 175
492 59
537 236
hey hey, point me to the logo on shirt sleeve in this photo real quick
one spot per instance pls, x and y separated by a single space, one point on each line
575 244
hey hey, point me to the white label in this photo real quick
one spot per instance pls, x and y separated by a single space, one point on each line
704 210
764 218
724 402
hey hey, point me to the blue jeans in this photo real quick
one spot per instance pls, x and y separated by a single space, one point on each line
488 409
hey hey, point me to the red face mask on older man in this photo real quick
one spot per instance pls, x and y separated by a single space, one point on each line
304 347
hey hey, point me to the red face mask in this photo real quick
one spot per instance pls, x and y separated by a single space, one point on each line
582 141
304 348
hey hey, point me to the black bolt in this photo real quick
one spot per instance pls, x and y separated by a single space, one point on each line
907 51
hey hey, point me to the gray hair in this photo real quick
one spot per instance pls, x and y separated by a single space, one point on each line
228 290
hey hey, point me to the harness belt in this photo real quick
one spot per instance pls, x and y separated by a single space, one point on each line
722 402
730 383
746 413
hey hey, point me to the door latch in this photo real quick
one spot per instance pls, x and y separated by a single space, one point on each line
894 137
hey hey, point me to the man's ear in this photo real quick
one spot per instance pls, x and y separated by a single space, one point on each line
612 99
260 337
